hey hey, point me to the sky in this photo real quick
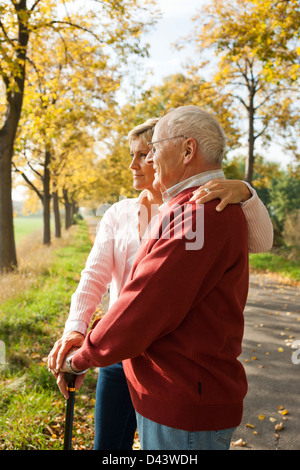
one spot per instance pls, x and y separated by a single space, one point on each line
175 23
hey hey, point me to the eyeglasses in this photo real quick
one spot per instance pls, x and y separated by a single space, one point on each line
151 144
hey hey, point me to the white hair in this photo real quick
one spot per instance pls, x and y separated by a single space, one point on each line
193 121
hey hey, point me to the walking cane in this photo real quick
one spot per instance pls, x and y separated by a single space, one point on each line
70 379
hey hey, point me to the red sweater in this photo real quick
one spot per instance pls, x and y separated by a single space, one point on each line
178 323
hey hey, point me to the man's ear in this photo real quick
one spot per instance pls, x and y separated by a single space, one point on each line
190 150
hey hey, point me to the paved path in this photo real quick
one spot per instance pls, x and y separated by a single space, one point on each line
272 324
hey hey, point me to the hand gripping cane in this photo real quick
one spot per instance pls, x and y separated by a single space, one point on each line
70 379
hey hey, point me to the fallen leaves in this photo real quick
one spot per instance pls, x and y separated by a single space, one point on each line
269 340
136 442
248 425
255 353
278 426
282 411
239 443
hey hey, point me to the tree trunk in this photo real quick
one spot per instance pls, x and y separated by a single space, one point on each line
46 200
8 257
251 139
75 208
56 214
68 210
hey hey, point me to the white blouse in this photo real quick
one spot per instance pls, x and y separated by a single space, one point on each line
115 247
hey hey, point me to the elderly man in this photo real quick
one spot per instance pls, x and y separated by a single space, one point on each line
178 323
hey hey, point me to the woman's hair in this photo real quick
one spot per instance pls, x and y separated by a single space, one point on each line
143 131
193 121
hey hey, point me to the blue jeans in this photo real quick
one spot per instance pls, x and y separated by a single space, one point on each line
115 420
154 436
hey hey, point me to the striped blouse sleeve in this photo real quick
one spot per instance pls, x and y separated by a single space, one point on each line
260 228
95 278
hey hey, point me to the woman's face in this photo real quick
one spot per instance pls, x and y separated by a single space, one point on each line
143 173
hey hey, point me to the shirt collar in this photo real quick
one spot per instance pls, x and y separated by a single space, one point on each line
195 180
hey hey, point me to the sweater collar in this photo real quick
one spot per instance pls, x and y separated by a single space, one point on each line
195 180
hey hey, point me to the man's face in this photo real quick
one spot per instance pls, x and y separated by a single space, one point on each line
166 158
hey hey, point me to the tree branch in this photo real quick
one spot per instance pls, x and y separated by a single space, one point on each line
6 35
4 77
37 72
260 133
35 171
34 5
241 100
30 184
76 26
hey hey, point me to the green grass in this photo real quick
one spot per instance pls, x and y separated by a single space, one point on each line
25 226
277 263
32 408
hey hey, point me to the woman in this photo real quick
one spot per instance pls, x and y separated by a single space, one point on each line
117 241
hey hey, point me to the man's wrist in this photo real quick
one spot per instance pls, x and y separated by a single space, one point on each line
71 368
